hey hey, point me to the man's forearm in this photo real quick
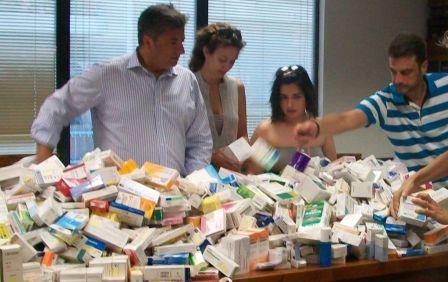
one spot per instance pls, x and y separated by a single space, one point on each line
438 168
336 123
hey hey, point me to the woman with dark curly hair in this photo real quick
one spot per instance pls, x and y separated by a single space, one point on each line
215 51
293 100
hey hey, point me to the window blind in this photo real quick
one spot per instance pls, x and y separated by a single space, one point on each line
27 69
277 33
100 30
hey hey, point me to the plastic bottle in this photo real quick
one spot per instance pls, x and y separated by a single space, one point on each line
325 247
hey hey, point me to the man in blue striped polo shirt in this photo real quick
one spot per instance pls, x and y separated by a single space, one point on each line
435 170
144 106
412 111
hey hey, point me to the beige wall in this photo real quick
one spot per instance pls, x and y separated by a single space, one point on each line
354 36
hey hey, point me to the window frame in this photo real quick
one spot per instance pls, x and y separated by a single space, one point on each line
63 69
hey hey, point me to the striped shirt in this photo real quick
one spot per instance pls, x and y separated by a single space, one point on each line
417 135
135 114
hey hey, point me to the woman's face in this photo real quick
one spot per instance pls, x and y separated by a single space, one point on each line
218 63
292 101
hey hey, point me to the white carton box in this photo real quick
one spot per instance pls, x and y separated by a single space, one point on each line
53 244
407 213
115 268
27 252
441 197
108 193
338 250
362 189
352 220
316 216
174 273
239 150
32 272
175 249
133 187
312 190
136 249
172 234
361 171
104 231
237 248
344 205
11 263
216 258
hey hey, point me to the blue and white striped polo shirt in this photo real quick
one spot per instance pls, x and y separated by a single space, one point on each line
418 135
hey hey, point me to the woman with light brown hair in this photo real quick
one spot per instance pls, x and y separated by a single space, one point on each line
215 51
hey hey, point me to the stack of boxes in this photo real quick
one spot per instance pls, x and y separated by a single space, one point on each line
106 219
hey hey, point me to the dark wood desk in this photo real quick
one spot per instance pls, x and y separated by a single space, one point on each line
6 160
420 268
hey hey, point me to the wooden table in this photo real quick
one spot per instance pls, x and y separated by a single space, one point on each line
420 268
6 160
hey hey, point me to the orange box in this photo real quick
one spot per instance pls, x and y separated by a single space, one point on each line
48 259
435 236
160 176
259 245
128 167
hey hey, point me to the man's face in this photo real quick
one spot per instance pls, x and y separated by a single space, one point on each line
406 73
167 48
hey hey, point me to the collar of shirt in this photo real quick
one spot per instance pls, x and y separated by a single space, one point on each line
400 99
135 63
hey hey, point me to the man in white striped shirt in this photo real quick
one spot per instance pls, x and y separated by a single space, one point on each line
412 111
144 106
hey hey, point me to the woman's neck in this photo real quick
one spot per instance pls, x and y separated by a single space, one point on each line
208 77
294 121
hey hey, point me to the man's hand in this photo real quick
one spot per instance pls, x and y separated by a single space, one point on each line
219 159
251 167
431 208
43 152
306 132
395 204
408 187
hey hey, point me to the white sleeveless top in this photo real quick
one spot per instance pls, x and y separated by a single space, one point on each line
228 90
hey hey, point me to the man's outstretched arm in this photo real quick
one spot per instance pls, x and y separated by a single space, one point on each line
331 124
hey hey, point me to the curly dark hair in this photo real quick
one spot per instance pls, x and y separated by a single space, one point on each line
214 36
292 74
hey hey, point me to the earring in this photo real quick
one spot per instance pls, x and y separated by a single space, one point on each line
307 116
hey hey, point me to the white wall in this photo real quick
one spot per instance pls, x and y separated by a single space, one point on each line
354 37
